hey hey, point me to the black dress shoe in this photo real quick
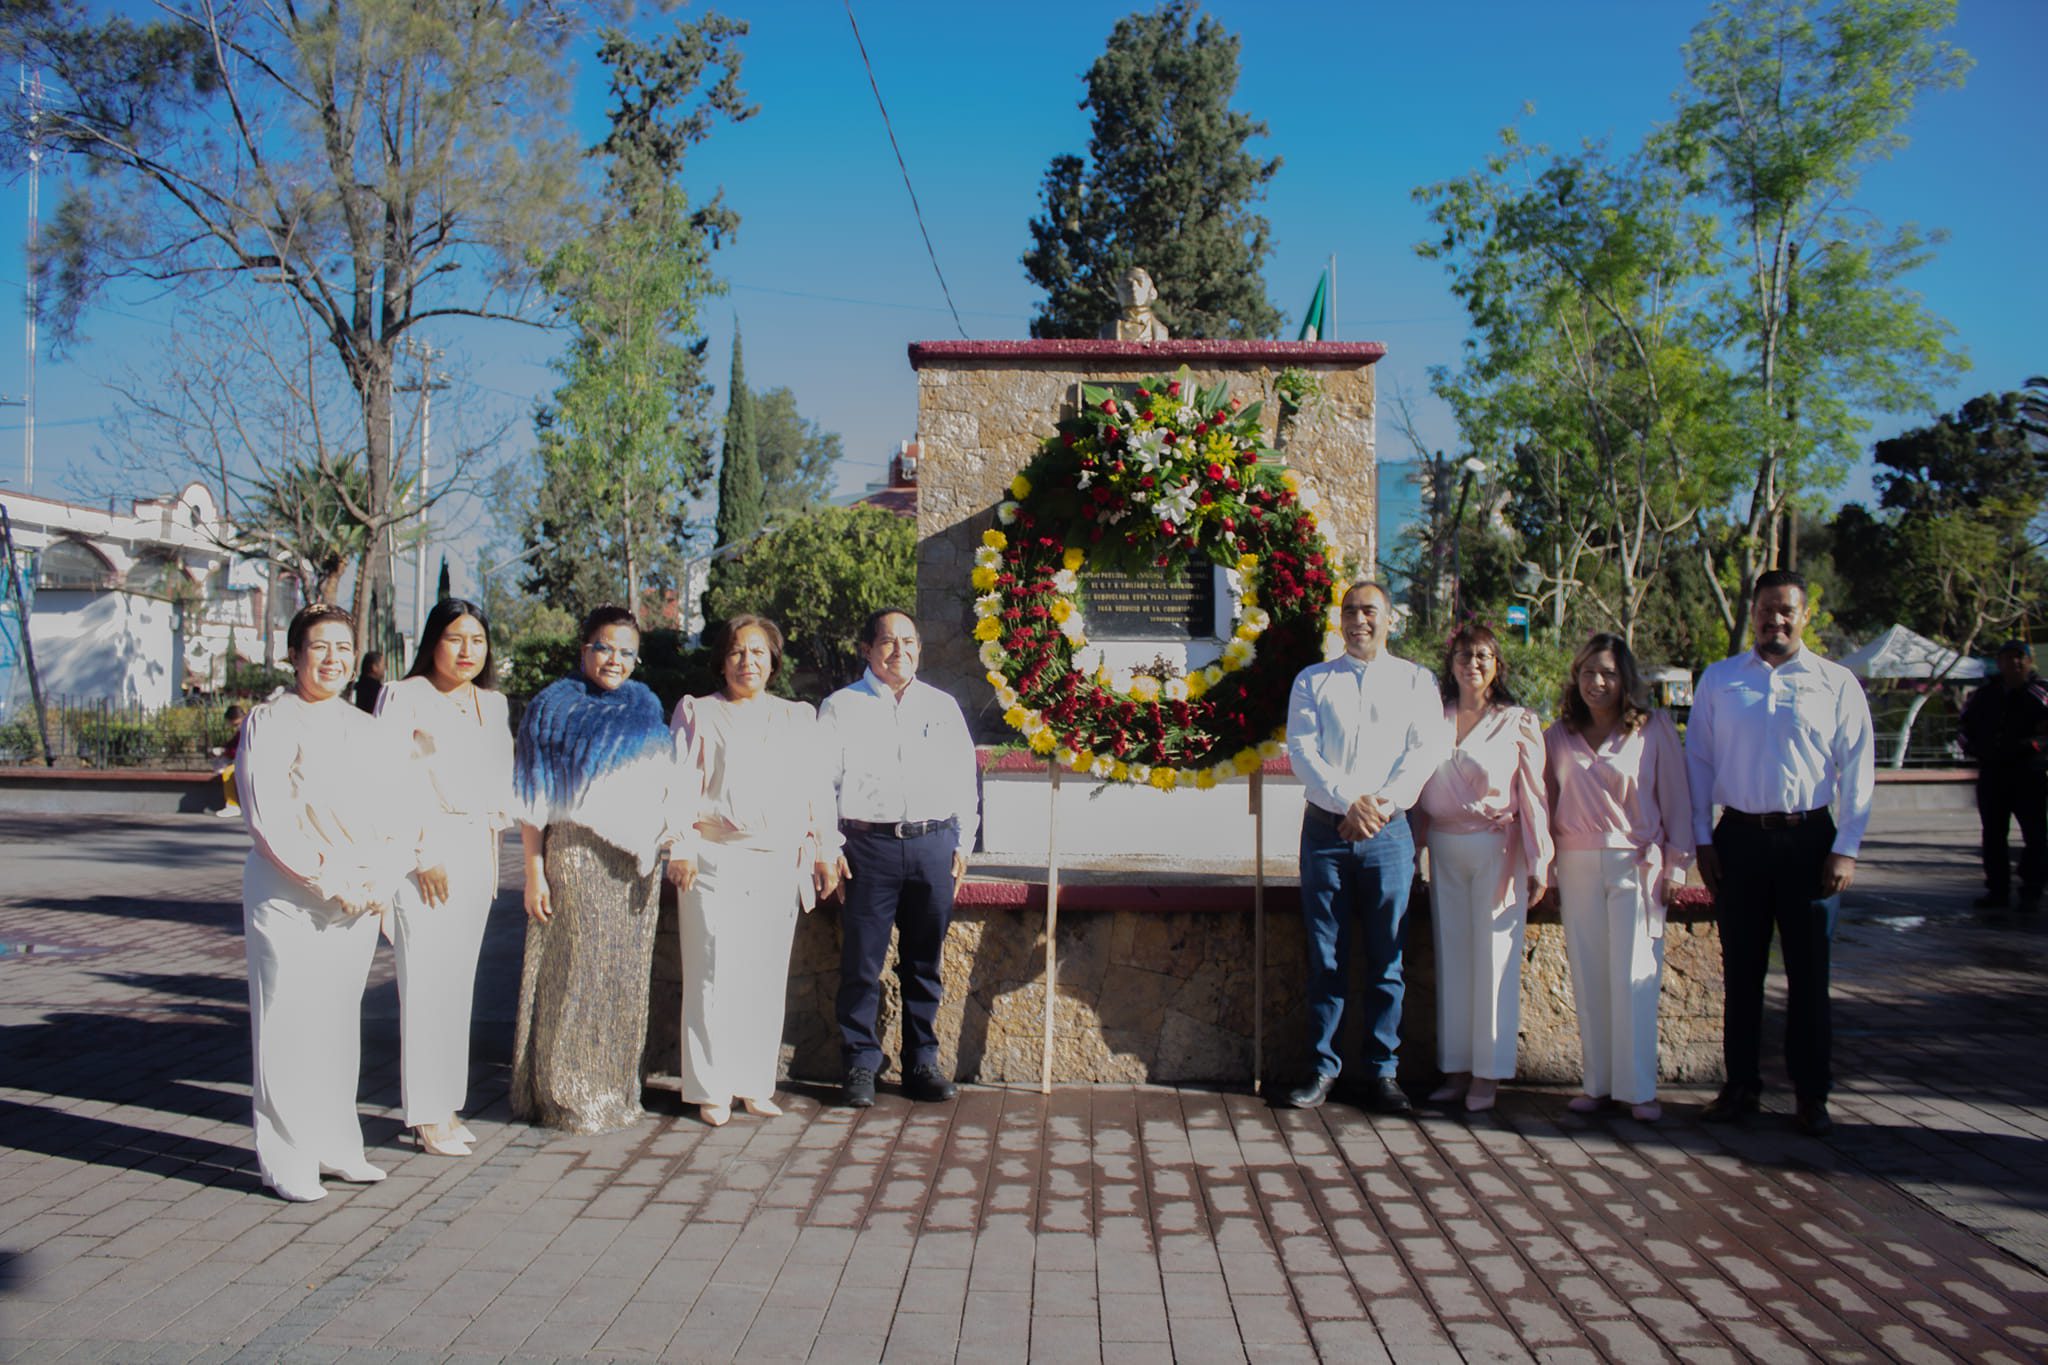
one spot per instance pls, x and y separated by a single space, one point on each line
1384 1095
929 1085
1812 1118
1732 1105
1312 1095
857 1091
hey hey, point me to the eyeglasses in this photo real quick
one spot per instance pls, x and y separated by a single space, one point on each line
624 656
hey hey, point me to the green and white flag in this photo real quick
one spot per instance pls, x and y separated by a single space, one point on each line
1316 326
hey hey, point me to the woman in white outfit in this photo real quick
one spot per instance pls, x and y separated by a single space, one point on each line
333 835
456 730
765 845
1488 832
1623 821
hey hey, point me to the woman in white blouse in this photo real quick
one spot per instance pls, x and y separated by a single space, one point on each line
456 731
332 839
1488 832
766 844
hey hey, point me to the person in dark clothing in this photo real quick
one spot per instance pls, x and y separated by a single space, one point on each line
2002 728
370 683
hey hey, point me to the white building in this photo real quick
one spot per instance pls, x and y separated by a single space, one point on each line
138 605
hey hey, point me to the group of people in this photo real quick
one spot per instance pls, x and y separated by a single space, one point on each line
1605 811
753 806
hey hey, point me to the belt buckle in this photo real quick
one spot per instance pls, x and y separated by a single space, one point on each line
901 829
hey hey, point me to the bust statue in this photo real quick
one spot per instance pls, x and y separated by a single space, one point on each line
1137 294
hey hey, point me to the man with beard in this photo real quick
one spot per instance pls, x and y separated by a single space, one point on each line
1777 735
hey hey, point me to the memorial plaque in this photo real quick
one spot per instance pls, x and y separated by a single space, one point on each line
1124 606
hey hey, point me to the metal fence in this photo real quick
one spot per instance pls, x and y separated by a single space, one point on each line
96 733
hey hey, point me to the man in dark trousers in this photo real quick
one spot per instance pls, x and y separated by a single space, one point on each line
902 764
2002 728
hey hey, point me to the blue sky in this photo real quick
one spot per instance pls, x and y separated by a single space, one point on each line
830 281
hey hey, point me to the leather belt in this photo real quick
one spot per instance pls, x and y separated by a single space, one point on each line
1772 819
1316 815
901 829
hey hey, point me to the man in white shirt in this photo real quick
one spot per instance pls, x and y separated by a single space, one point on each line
1776 735
902 764
1364 732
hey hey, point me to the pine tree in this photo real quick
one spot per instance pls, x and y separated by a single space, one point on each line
740 501
1167 186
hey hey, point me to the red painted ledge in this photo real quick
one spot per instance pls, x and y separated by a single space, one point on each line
1151 353
1018 761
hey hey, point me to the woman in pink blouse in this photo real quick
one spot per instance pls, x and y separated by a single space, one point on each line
1623 822
1488 832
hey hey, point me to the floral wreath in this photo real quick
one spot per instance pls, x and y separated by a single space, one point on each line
1171 476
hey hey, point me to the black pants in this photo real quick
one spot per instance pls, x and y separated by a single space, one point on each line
2005 792
1770 879
905 885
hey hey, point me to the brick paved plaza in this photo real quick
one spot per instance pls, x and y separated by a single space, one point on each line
1107 1223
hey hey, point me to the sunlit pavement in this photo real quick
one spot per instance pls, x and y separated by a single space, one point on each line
1100 1223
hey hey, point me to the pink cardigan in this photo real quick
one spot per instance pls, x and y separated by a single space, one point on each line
1631 793
1493 782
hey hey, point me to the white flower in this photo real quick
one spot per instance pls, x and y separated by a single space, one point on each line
1033 723
1309 497
1271 748
1087 477
1212 675
1176 689
1238 653
1064 756
1255 621
1145 687
1141 773
1103 766
1071 628
1006 513
1006 697
1148 449
988 604
992 656
1176 504
988 557
1066 583
1186 417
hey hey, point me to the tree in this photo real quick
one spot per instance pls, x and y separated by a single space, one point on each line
818 578
1787 103
741 509
627 436
1167 185
1589 385
796 457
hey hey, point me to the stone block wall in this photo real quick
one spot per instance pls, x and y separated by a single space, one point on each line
985 407
1165 996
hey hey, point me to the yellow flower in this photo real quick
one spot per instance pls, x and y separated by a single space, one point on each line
1014 718
1217 446
1074 557
1246 761
1121 772
1082 761
1205 779
1165 779
1043 742
984 580
994 539
1020 489
1247 562
1145 688
996 679
1102 678
1272 748
1198 683
987 628
1062 608
1291 479
1337 591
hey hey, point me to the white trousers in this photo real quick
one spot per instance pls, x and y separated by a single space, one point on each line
308 963
737 923
437 947
1613 936
1478 954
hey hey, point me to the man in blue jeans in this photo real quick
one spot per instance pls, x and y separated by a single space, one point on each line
1364 732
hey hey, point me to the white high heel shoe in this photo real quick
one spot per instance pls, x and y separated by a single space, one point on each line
762 1109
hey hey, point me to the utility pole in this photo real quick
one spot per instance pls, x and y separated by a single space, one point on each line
428 382
32 91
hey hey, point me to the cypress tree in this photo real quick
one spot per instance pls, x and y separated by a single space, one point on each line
740 496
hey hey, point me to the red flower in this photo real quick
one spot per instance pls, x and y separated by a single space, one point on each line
1150 416
1169 528
1230 523
1214 471
1109 405
1174 388
1145 482
1109 433
1067 439
1207 497
1144 393
1171 438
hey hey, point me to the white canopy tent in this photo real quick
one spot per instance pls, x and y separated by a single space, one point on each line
1902 653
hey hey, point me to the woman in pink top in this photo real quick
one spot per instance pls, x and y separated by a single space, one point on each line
1488 832
1623 822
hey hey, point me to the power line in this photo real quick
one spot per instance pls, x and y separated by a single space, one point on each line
917 212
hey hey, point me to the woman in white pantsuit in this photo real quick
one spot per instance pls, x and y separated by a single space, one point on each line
1487 827
765 845
333 835
1622 817
457 732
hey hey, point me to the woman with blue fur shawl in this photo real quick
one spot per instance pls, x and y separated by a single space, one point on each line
601 797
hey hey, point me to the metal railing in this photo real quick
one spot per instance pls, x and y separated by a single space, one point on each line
88 732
